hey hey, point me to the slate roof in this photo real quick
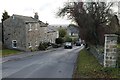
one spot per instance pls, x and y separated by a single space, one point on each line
51 29
73 29
28 19
25 18
42 24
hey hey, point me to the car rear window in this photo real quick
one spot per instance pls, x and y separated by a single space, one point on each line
68 43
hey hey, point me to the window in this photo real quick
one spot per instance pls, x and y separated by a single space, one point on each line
14 43
29 45
30 27
110 57
36 27
36 43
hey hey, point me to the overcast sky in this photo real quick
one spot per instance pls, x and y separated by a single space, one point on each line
45 8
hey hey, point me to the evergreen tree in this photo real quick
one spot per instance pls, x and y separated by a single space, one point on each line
4 17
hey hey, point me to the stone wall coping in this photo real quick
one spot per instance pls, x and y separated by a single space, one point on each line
110 35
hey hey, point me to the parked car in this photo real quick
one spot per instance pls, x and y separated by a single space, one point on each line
78 43
68 45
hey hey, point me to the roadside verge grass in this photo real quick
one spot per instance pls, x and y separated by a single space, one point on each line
88 67
7 52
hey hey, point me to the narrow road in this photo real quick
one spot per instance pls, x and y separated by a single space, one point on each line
56 64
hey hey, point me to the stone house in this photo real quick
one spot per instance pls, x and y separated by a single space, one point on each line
23 32
52 34
73 32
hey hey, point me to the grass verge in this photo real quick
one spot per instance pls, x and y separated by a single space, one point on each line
7 52
118 46
88 67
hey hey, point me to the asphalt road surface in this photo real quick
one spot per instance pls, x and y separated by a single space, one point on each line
55 64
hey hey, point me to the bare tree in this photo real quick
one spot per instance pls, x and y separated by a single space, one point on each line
89 16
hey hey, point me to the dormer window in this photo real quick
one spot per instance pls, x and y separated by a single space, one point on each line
30 27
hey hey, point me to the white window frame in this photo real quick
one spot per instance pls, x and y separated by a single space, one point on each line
13 45
30 27
36 43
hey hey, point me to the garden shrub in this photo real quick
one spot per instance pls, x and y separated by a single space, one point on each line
68 39
43 46
59 41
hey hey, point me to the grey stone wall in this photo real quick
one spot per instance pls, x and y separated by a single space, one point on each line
43 32
35 36
51 36
110 50
31 36
99 55
14 29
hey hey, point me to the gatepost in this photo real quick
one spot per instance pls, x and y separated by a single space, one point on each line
110 50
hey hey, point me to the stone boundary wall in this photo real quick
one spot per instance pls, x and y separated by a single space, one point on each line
99 56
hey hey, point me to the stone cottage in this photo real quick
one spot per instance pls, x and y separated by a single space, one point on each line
52 34
23 32
73 32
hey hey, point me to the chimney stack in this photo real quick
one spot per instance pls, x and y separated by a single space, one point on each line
36 16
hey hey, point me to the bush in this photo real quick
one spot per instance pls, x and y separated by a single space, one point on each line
68 39
74 40
49 44
107 70
43 46
59 41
